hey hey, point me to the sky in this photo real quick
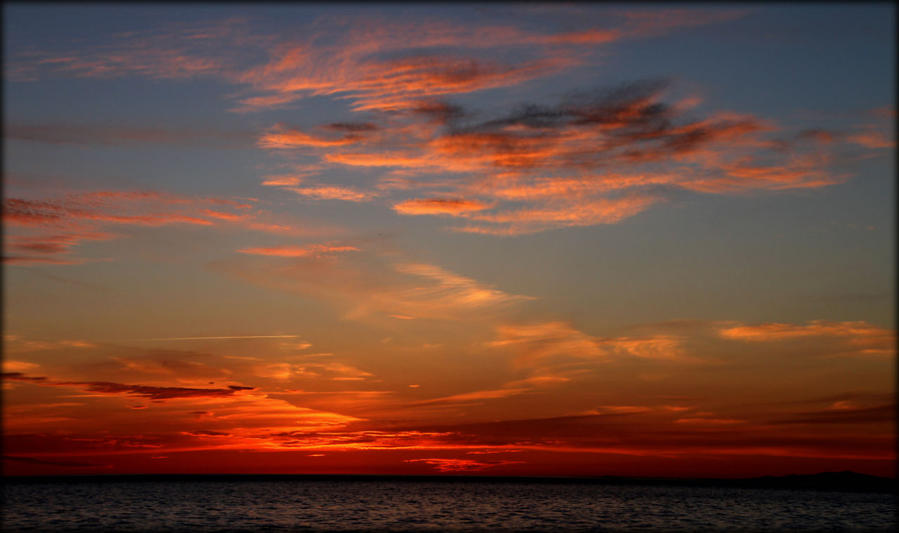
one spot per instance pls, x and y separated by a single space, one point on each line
529 240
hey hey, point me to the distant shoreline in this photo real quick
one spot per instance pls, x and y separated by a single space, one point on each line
825 481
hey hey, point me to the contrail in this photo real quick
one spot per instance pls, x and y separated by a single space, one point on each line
233 337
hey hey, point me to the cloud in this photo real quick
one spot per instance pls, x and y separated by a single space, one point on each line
386 66
545 345
845 415
368 284
474 396
281 137
144 391
849 338
116 207
597 157
333 192
662 347
47 230
156 393
369 58
177 51
460 465
299 251
656 432
559 214
539 341
436 206
449 290
18 366
398 84
872 139
227 337
58 243
708 421
18 376
16 344
624 409
650 23
278 181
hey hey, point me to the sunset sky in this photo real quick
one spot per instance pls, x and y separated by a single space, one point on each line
650 240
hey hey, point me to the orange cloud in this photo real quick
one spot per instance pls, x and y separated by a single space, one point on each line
859 337
478 395
777 331
451 290
333 192
17 344
230 217
656 347
292 138
547 340
433 206
46 231
299 251
18 366
279 181
576 212
368 285
399 84
872 139
629 127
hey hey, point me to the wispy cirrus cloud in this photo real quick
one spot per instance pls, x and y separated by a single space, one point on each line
178 51
557 350
299 251
47 230
333 192
368 283
849 338
18 344
281 137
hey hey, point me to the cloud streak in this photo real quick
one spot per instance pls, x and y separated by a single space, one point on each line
144 391
48 230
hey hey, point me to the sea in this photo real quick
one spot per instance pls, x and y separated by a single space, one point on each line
432 505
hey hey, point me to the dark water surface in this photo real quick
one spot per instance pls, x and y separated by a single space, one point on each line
378 505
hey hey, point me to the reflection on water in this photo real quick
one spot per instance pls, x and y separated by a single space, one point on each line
430 505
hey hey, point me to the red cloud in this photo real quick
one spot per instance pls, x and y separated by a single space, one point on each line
460 465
